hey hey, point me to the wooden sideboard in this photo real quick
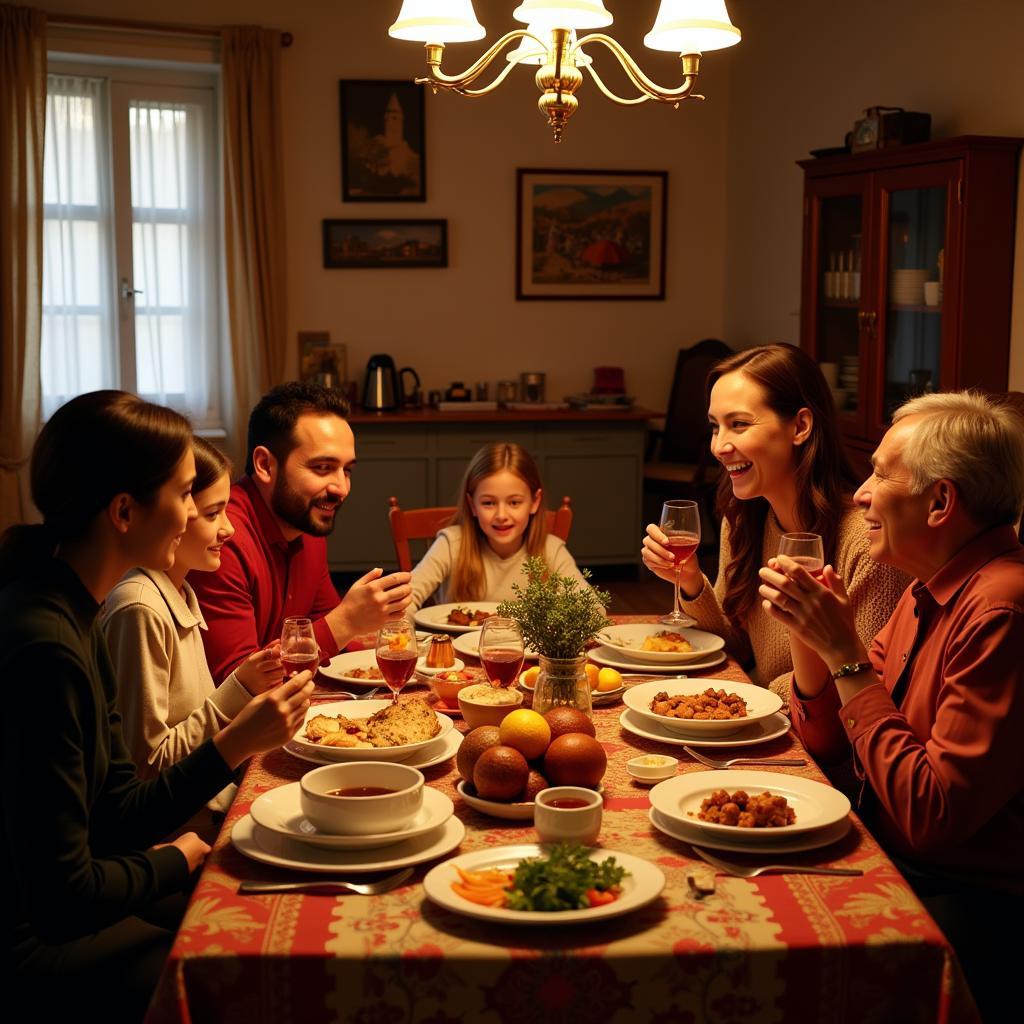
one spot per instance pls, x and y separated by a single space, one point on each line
420 455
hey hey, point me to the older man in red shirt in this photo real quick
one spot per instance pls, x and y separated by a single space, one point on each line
301 451
933 714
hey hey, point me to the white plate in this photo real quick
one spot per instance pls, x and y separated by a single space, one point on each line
626 640
761 703
424 670
342 664
356 709
805 841
435 617
468 645
442 749
761 731
608 656
817 805
270 848
642 885
280 810
518 811
597 697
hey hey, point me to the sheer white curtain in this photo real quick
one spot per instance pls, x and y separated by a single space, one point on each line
78 324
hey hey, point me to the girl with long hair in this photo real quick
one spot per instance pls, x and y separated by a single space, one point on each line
95 896
499 522
774 431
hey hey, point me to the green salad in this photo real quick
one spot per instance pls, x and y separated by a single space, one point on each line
566 879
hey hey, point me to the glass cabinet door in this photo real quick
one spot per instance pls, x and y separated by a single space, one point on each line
916 236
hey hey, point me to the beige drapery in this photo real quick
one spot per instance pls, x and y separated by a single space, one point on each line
22 120
253 214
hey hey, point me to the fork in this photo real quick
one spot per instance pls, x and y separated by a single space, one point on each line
726 867
327 886
327 697
788 762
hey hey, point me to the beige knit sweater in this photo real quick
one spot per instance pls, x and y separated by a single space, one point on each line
874 590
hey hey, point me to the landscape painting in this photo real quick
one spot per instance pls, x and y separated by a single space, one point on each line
385 243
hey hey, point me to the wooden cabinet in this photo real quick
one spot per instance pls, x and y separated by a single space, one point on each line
598 463
907 274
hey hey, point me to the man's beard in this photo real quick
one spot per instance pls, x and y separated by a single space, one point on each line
290 507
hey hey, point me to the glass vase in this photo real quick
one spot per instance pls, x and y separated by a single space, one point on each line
562 682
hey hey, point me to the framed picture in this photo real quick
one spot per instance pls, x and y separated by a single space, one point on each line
320 361
590 234
385 243
382 141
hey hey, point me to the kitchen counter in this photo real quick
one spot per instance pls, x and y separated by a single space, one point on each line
427 415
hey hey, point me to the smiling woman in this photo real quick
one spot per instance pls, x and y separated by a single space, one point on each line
774 432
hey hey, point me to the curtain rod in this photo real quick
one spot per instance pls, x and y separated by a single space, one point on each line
146 26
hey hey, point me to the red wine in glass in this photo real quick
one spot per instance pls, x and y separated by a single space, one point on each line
815 566
397 667
299 661
502 666
299 649
806 549
680 523
682 546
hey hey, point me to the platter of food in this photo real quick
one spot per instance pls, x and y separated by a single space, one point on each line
760 731
766 844
746 806
466 617
513 884
280 810
369 730
649 642
701 707
260 844
354 668
616 659
442 749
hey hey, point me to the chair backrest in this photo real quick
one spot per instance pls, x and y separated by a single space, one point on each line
686 419
424 523
1014 399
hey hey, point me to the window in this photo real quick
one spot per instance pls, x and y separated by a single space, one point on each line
132 268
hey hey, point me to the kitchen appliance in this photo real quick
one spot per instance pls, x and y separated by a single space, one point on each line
383 387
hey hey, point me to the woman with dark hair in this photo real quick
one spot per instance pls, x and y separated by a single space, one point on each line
93 903
168 701
774 431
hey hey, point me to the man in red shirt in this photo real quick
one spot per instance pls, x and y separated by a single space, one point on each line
933 714
301 451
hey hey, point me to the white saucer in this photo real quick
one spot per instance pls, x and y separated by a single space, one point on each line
609 656
270 848
695 837
280 810
757 732
514 811
440 750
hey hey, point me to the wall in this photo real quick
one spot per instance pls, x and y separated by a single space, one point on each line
464 322
803 74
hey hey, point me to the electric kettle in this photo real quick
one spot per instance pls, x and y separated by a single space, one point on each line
381 389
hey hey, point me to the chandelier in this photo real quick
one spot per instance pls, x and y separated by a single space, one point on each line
686 27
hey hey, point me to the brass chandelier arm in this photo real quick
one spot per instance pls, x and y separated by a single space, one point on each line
649 89
611 95
458 83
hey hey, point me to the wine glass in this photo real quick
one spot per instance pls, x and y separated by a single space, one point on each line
501 650
680 522
806 549
396 654
299 649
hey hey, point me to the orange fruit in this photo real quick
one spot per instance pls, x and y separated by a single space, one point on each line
575 759
608 679
530 676
535 782
526 731
500 773
475 743
564 719
593 673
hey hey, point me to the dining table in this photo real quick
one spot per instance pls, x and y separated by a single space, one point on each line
777 947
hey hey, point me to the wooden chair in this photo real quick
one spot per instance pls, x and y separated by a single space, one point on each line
678 457
1014 399
424 523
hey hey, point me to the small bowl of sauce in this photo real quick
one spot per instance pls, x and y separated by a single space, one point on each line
358 798
652 767
568 814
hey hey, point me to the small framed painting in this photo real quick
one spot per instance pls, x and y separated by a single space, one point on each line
382 141
385 243
590 234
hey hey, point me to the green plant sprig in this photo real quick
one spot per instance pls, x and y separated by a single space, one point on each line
557 617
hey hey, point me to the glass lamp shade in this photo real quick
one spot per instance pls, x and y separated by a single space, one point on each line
549 14
437 21
529 52
692 26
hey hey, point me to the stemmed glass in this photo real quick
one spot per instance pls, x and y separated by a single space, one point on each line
680 522
806 549
299 649
396 654
501 650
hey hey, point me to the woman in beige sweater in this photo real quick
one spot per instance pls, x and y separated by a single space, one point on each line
774 432
168 701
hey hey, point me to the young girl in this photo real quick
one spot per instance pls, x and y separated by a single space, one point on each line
168 701
95 896
498 524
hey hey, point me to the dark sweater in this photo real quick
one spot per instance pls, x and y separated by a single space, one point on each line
77 822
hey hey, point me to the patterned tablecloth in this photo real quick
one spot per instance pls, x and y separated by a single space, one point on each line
775 948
